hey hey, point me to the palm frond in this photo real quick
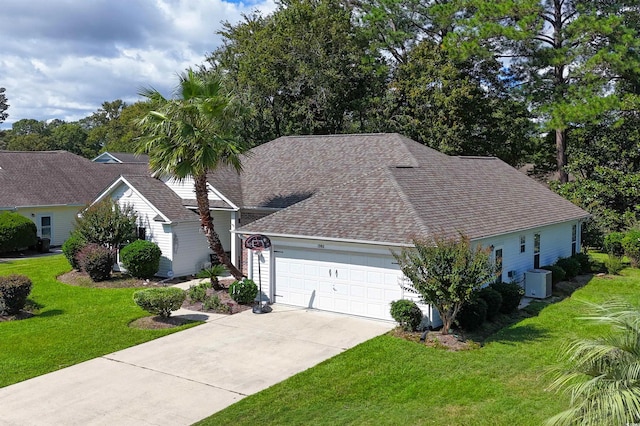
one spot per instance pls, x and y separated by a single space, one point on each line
604 375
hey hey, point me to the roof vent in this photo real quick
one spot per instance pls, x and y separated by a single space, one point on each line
405 167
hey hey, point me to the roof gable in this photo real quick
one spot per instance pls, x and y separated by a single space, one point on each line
166 203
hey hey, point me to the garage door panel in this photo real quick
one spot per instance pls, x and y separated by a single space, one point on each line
336 281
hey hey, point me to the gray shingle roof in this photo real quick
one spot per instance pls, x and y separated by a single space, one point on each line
413 191
292 168
161 197
43 178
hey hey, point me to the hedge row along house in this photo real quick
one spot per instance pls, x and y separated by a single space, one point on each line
335 206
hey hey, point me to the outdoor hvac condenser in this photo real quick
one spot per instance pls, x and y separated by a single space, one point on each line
537 283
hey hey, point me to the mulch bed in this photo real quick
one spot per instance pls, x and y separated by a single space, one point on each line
157 322
117 280
224 297
435 339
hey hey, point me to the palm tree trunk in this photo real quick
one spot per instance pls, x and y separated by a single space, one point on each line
206 222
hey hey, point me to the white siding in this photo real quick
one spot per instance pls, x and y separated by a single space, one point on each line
190 249
63 219
186 189
222 225
555 242
157 232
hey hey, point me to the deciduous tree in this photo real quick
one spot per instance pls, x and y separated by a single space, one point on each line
304 69
3 105
445 272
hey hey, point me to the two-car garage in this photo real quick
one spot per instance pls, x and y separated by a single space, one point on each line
330 279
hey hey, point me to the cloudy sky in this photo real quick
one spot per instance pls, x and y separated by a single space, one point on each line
63 58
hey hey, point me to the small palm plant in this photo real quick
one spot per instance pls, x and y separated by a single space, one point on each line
604 378
213 273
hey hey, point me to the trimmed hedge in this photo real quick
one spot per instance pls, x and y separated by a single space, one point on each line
160 301
585 262
557 273
243 292
72 247
96 260
407 314
472 314
493 299
16 232
14 290
141 258
571 266
511 296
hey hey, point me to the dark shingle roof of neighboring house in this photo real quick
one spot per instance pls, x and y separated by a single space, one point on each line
423 194
46 178
292 168
122 157
161 197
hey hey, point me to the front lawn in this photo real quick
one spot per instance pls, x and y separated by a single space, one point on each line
392 381
73 324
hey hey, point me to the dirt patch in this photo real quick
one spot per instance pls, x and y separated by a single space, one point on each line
157 322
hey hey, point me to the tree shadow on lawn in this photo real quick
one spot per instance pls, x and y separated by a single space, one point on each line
51 313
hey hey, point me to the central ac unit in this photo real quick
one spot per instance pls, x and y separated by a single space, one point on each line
537 283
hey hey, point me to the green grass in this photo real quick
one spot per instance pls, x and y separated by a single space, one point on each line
391 381
73 324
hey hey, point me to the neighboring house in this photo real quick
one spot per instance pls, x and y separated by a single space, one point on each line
51 187
167 215
335 206
121 158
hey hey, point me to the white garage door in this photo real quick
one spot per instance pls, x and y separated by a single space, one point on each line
343 282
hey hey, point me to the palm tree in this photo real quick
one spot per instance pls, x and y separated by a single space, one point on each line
189 136
604 378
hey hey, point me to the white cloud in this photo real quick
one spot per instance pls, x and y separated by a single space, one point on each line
63 58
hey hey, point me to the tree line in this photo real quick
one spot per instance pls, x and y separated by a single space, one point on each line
553 83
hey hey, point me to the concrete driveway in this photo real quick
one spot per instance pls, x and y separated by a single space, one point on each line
187 376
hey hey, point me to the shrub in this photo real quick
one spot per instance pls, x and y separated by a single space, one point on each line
141 258
14 290
613 243
570 265
585 262
16 232
472 314
631 246
160 301
243 292
557 273
72 247
493 299
613 264
96 260
511 295
198 293
213 303
407 314
108 224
